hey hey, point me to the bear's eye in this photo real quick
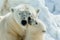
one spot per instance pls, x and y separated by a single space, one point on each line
19 13
28 12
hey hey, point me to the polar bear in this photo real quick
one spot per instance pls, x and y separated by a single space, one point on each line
20 24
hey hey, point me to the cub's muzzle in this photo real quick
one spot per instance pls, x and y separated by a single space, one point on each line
29 20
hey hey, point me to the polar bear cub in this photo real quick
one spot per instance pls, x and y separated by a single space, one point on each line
36 31
19 24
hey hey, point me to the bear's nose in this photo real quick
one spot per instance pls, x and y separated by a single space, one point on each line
23 22
29 20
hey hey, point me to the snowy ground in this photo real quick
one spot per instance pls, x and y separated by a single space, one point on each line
51 21
53 24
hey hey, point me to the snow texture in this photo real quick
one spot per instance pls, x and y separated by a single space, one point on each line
53 5
52 22
13 3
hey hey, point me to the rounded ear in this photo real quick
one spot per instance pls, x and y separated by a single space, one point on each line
12 9
37 10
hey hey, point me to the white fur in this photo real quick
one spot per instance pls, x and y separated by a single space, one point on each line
36 31
11 28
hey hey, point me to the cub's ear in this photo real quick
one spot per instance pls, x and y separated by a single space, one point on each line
37 10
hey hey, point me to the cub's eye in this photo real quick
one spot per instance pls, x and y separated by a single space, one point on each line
19 13
43 31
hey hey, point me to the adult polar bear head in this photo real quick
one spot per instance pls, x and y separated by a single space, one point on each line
27 15
21 23
23 13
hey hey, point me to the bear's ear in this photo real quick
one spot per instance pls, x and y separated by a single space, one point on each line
12 9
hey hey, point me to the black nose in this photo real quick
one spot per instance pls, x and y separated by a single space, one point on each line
29 20
23 22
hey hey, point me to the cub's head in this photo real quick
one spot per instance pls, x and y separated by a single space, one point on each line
24 13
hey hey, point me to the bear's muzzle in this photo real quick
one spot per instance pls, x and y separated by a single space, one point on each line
23 22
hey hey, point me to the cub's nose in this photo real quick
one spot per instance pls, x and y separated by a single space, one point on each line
23 22
29 20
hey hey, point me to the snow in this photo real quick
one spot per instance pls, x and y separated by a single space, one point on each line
53 5
13 3
51 21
